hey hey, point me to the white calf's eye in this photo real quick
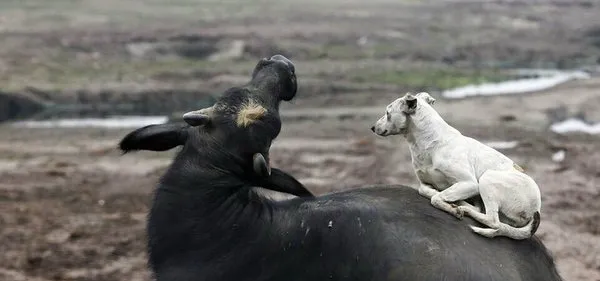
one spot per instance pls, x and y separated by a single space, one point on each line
388 116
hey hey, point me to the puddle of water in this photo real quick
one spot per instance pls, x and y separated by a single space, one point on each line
7 165
311 144
126 166
547 79
558 156
109 122
573 125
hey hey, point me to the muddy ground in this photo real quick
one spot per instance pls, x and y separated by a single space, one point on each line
73 208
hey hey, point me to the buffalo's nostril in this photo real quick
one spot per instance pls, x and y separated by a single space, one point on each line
373 128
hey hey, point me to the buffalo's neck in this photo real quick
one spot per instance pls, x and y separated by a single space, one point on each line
269 89
202 208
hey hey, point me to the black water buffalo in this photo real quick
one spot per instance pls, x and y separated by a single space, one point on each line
207 223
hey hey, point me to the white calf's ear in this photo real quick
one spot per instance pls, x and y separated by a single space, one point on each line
199 117
431 100
425 96
410 102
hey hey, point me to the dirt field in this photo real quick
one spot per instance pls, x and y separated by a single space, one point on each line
73 208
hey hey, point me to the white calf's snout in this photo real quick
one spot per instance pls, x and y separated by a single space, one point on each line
380 127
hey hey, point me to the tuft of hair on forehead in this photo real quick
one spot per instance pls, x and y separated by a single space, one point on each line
249 113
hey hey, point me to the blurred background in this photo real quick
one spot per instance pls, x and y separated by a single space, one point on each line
77 75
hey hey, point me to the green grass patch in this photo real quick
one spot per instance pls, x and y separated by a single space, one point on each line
63 73
337 51
351 50
430 79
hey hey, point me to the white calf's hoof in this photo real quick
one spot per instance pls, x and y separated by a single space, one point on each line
461 209
459 213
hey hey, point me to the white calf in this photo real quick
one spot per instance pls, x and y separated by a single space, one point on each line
452 167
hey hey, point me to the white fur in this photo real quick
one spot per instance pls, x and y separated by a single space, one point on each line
452 167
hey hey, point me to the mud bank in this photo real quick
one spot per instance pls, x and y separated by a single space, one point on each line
86 103
15 106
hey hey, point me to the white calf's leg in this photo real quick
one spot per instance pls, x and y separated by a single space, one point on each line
466 204
427 190
491 218
456 192
497 190
465 207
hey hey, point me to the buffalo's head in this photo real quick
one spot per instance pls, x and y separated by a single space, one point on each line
243 121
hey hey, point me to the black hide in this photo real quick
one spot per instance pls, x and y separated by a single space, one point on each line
206 223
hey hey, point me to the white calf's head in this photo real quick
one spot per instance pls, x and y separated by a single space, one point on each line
426 97
394 121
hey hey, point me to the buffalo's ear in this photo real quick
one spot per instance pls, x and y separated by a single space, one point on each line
158 137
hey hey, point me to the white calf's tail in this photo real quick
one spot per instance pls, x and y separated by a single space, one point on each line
518 233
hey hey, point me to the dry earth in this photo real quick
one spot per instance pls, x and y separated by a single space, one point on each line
73 208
